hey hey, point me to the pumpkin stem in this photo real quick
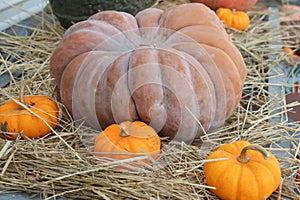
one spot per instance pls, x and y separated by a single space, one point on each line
21 93
124 131
243 158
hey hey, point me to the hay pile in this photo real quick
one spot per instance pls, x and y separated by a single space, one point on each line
58 165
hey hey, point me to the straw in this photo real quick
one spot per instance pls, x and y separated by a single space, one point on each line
59 165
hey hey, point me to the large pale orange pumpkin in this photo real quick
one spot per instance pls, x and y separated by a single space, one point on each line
240 5
165 68
248 172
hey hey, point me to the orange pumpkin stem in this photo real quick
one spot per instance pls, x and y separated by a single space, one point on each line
243 158
124 131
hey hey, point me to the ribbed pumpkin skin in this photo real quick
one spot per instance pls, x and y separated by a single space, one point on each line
255 180
160 67
240 5
142 140
16 119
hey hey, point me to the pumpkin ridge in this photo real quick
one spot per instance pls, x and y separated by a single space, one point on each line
62 56
118 19
112 136
224 171
192 64
238 193
112 146
231 79
116 85
43 112
229 149
141 85
149 12
184 33
130 92
236 149
90 25
274 161
158 19
189 59
230 49
267 169
67 82
257 182
220 29
120 144
172 17
19 125
238 183
96 33
106 113
98 69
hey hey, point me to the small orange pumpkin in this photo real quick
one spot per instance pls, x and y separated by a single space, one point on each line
289 51
234 19
250 172
28 119
127 140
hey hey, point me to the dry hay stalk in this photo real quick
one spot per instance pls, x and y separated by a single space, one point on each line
58 165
